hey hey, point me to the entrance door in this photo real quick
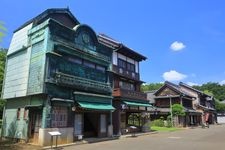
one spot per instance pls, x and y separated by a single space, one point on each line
35 119
103 127
78 124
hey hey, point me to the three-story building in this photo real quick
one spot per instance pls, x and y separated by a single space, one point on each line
131 104
56 79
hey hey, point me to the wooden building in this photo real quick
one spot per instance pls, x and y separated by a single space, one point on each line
131 104
57 79
170 94
203 103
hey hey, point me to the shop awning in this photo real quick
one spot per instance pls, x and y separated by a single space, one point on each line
130 103
96 106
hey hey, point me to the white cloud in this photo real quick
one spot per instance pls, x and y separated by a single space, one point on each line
192 83
222 82
173 75
177 46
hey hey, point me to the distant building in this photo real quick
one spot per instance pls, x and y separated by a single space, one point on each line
203 103
170 94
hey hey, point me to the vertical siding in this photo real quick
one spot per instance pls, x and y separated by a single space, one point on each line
15 128
19 39
36 73
17 69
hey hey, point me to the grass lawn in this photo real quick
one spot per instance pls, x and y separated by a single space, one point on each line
163 129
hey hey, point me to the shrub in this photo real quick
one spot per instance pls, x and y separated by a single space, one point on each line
158 122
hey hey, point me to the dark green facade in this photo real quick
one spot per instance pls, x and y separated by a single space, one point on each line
65 66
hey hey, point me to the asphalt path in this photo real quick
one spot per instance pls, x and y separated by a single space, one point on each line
212 138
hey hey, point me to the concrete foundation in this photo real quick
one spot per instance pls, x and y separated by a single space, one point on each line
65 138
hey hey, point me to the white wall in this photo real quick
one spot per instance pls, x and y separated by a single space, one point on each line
221 119
19 39
114 58
122 57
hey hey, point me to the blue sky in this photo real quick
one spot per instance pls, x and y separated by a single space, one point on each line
184 40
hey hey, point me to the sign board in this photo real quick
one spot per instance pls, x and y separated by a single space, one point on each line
54 133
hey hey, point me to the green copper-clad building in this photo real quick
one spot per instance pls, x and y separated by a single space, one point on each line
57 79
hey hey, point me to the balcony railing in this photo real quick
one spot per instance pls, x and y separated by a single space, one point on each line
82 83
125 72
118 92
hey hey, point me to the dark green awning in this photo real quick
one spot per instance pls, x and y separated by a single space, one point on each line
96 106
130 103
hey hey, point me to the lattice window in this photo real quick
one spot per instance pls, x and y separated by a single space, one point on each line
59 116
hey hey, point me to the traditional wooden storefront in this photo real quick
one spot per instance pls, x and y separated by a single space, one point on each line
203 103
131 104
170 94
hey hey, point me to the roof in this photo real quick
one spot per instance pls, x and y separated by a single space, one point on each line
189 87
175 87
120 47
48 12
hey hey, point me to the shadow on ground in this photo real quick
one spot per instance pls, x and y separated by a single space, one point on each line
13 145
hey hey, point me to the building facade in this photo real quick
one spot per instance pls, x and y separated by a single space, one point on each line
203 103
132 107
170 94
57 79
199 107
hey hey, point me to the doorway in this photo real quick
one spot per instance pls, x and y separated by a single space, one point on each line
35 120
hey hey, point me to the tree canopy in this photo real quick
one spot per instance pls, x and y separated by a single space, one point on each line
151 86
216 89
2 30
178 110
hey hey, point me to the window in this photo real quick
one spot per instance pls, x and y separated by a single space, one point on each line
126 85
126 65
131 67
122 63
59 116
89 64
100 68
75 60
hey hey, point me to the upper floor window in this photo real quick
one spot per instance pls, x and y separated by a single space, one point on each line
75 60
126 85
126 65
89 64
131 67
100 68
122 63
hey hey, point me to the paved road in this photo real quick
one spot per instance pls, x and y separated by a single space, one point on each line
187 139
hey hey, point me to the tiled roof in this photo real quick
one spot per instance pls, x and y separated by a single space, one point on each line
47 12
119 47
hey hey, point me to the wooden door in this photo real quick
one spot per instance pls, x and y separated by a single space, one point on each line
35 119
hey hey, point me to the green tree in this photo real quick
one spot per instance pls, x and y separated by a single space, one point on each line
216 89
2 65
177 111
220 107
151 86
2 30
